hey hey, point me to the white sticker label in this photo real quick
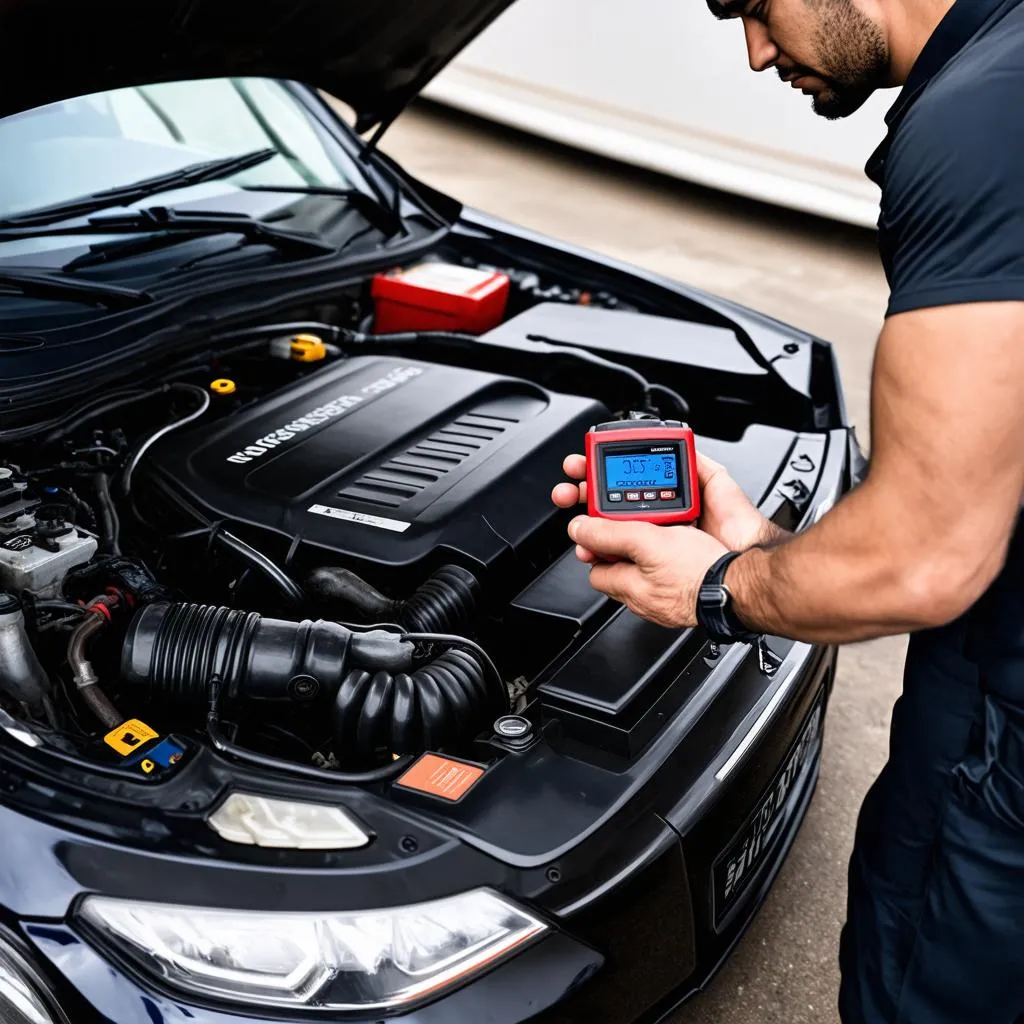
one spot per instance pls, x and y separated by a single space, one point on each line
396 525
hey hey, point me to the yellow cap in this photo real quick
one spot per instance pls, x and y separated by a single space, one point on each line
308 348
223 386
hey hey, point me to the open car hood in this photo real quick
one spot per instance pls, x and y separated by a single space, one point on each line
374 55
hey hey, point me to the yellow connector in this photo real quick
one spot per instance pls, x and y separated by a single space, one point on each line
223 386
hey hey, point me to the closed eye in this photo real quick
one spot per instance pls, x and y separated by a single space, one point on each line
759 12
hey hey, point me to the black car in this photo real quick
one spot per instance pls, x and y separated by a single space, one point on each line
307 709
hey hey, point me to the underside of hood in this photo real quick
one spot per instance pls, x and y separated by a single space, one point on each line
374 55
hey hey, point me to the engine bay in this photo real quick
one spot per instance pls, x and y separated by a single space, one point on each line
326 544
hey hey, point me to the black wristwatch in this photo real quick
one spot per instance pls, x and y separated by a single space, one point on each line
714 606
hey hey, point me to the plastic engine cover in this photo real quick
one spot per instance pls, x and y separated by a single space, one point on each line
386 462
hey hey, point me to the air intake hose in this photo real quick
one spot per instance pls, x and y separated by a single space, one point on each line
379 699
411 712
445 603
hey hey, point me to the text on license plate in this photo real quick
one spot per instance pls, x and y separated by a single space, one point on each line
737 865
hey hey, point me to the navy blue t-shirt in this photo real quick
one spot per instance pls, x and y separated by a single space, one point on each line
951 230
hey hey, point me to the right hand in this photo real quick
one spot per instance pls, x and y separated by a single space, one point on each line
726 512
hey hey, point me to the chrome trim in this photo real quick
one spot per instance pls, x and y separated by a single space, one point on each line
797 656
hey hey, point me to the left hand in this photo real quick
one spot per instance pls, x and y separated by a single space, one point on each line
659 568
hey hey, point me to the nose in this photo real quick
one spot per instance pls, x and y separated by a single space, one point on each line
761 51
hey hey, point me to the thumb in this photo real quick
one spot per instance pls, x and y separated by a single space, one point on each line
607 537
707 469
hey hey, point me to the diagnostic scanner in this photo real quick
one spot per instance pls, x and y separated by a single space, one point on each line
642 470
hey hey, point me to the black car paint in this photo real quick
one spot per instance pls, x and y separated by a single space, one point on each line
618 857
375 57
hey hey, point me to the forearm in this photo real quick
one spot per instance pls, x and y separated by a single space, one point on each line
869 568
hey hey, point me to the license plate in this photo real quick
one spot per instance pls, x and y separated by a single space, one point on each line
738 864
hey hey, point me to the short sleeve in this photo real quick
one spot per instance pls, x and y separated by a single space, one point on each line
953 199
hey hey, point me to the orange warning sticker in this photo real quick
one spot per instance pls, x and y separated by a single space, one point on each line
441 776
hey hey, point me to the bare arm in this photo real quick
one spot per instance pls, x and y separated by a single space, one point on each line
927 532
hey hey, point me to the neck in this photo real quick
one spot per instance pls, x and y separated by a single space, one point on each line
910 24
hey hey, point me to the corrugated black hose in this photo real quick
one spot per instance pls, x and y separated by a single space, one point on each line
379 701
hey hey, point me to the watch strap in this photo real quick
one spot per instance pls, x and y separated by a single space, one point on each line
714 605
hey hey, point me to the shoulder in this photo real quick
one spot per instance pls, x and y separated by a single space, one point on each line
953 197
965 134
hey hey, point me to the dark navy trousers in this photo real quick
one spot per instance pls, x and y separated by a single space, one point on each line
935 922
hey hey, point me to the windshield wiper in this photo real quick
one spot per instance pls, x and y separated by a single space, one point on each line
48 284
193 174
382 217
185 222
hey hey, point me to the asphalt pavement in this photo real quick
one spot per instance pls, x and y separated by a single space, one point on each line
820 276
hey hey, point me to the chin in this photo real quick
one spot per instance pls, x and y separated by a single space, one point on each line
835 106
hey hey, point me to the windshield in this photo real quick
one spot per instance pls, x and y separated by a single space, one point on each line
99 142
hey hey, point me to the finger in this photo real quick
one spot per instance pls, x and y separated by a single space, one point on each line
575 467
567 495
619 580
585 555
606 537
707 468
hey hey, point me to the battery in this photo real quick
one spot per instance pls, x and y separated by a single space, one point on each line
439 297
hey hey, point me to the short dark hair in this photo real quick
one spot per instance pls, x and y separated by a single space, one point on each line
723 9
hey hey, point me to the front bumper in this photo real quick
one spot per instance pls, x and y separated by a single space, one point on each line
651 928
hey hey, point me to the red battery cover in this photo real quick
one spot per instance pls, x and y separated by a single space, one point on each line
596 439
439 297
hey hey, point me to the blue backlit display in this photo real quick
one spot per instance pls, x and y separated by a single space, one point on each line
642 470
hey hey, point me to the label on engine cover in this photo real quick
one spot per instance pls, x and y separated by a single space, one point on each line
338 406
396 525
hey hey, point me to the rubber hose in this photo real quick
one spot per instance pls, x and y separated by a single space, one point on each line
445 603
110 524
86 680
176 651
406 713
333 584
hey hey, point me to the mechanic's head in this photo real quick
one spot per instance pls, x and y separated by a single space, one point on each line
833 50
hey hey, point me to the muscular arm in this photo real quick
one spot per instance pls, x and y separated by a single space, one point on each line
921 539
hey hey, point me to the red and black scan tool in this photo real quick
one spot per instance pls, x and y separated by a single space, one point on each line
642 470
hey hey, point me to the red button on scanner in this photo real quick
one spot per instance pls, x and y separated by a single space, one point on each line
667 495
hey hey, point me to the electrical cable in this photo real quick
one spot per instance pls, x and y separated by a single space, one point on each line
218 534
501 697
136 458
275 330
95 406
260 561
222 744
682 406
110 523
407 343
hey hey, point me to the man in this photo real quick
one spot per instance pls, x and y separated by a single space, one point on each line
932 542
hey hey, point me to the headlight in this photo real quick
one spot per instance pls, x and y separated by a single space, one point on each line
20 1001
370 959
